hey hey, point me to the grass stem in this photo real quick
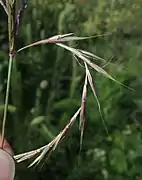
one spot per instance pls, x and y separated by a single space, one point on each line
6 97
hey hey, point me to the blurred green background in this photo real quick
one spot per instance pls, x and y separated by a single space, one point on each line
46 90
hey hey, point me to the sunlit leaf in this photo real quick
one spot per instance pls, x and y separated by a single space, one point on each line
37 120
11 108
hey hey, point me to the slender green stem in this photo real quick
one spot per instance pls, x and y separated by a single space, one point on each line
7 97
11 30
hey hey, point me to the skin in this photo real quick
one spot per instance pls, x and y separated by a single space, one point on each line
6 146
7 164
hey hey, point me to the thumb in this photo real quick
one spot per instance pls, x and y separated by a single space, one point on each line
7 164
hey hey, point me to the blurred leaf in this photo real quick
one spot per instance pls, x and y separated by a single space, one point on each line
118 161
16 86
11 108
46 131
37 120
66 104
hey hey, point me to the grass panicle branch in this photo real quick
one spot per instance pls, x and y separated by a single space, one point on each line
49 147
85 56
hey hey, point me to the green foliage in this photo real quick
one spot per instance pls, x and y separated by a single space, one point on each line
47 85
